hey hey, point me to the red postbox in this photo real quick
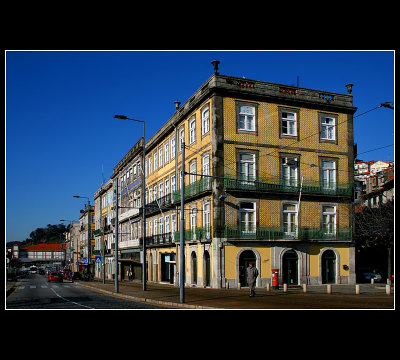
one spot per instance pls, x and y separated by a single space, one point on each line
275 281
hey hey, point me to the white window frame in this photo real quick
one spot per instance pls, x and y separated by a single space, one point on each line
291 124
173 144
160 157
289 217
328 174
160 190
247 118
166 152
328 130
192 170
205 121
173 184
245 167
181 138
290 170
329 219
155 161
166 186
246 213
207 219
192 131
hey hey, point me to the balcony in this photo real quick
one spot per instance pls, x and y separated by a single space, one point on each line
195 234
279 233
280 185
193 189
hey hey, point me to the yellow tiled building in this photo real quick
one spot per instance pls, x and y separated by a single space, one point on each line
278 162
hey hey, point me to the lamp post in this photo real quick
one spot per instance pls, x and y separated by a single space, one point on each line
88 232
123 117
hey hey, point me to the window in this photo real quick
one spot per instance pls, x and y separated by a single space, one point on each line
167 230
181 138
173 185
205 121
193 222
206 171
288 123
155 161
150 165
328 174
206 220
155 192
192 132
161 226
327 128
150 232
173 223
155 226
289 171
247 217
247 166
192 170
173 148
160 157
247 119
160 190
166 186
166 153
290 219
145 165
329 219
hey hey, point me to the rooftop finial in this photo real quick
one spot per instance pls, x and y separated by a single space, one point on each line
215 64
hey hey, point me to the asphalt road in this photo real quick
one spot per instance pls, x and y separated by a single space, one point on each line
35 292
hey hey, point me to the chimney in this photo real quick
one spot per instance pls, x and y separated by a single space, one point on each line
177 104
215 63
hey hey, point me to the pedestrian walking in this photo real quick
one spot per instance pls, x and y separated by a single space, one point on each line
252 274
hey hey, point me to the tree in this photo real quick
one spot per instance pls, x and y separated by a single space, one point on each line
374 230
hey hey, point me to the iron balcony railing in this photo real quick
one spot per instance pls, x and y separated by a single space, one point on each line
194 188
280 233
290 186
195 234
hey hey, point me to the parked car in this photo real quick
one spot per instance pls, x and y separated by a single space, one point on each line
55 276
366 274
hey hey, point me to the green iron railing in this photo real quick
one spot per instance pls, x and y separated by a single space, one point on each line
194 188
279 233
276 184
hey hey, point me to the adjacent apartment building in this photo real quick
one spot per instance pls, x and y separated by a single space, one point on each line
268 179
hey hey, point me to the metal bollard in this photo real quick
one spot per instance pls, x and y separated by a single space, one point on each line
284 287
304 287
239 286
268 285
372 281
329 289
357 289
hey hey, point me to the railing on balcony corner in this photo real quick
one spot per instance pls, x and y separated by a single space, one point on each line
194 188
195 234
276 184
280 233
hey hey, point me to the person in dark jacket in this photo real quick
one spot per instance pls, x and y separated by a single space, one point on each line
252 274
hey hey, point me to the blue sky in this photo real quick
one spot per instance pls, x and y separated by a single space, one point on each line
61 134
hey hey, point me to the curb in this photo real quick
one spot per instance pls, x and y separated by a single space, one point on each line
150 301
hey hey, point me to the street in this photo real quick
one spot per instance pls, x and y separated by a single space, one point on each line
34 292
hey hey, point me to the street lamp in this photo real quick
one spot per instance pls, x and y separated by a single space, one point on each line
88 233
123 117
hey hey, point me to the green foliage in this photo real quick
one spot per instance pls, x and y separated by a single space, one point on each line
48 235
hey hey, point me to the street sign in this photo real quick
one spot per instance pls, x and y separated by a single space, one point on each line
98 259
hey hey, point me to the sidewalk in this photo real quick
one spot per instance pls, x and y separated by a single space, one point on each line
316 297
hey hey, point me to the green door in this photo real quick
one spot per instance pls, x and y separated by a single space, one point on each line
290 268
328 267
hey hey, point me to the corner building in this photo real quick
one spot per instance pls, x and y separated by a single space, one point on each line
279 161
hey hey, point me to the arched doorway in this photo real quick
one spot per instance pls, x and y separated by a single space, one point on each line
290 268
245 257
207 269
328 267
194 268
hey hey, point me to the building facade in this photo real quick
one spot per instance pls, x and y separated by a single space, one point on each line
268 174
268 179
86 239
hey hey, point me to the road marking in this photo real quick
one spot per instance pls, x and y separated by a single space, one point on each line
21 287
71 301
44 286
33 286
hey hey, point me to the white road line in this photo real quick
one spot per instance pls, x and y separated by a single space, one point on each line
33 286
71 301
